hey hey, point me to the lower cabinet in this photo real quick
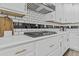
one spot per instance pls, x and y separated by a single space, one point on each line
64 44
74 39
55 53
24 49
46 46
27 54
51 46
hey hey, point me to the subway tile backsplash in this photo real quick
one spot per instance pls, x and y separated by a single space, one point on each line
20 24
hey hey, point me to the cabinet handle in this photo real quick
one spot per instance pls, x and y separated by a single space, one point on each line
62 36
60 44
21 51
51 45
67 40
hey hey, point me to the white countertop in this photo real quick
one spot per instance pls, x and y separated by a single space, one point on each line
16 40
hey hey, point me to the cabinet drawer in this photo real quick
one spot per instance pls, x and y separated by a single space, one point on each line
55 53
45 46
32 53
18 50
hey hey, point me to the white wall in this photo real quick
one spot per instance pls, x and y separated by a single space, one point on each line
50 16
35 16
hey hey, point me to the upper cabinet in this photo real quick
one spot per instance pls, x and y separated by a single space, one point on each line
76 12
59 14
67 12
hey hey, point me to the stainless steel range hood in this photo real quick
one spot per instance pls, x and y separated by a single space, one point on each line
41 8
50 5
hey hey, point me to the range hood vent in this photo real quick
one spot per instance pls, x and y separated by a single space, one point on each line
40 7
44 11
50 5
32 6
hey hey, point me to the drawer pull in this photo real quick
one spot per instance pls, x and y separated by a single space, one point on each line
62 36
60 44
21 51
52 45
67 40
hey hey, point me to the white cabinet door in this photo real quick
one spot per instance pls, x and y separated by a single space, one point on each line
32 53
55 53
66 40
46 46
74 39
63 47
22 49
64 44
68 13
59 12
42 47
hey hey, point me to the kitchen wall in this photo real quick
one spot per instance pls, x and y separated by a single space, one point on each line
36 16
31 17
